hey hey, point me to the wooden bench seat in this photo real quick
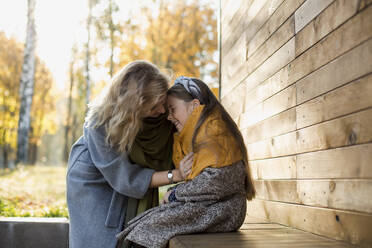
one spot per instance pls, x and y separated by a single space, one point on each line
256 233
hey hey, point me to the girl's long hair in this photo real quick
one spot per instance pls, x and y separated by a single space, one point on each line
133 92
211 105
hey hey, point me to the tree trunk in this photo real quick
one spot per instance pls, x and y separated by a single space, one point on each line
26 86
32 154
112 41
69 110
5 156
74 129
87 57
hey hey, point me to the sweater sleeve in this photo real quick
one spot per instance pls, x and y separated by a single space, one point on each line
123 176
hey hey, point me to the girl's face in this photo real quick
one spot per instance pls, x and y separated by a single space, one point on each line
180 110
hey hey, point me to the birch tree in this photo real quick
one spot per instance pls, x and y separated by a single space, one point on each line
26 86
108 30
69 105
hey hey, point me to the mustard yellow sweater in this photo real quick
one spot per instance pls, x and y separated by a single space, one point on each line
215 146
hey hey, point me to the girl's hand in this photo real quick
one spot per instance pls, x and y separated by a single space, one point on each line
165 200
186 164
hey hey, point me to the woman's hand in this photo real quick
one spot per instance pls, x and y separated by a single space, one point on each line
160 178
186 164
165 199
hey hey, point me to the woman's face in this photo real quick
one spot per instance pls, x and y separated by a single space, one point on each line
179 111
158 109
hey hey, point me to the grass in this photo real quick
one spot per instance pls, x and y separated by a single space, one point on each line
33 191
36 191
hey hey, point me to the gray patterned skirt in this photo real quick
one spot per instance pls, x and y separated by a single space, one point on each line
214 201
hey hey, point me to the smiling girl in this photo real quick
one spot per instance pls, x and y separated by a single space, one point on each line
213 199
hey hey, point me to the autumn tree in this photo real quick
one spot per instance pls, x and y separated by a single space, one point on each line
10 72
26 89
108 30
181 36
76 101
42 111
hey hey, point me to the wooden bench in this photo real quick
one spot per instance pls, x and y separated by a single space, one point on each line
256 233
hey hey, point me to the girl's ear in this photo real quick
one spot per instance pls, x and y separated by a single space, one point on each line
195 103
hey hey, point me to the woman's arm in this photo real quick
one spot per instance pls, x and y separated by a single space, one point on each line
161 178
123 176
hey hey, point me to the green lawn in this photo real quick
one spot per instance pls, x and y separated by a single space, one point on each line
34 191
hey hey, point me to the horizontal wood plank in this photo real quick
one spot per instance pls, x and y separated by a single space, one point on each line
284 11
267 88
277 61
282 145
282 123
275 168
345 162
338 224
256 16
234 102
280 37
255 238
349 130
345 100
346 68
260 20
234 59
280 102
353 195
308 11
330 19
349 35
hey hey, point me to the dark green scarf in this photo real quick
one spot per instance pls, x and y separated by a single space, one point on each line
152 148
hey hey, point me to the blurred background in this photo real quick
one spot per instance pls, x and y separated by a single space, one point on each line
75 48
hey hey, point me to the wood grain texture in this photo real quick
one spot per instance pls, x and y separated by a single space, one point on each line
346 162
342 101
349 130
338 224
338 194
277 61
305 115
349 35
331 18
275 168
267 88
352 162
235 105
284 11
348 67
278 103
276 125
280 37
308 11
282 145
256 238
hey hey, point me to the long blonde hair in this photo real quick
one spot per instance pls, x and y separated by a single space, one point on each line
133 92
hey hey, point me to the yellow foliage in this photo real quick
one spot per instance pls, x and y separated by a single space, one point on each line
42 112
182 37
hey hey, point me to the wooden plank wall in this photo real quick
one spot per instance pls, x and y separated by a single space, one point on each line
296 77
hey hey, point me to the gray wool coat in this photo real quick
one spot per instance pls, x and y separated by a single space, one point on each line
99 185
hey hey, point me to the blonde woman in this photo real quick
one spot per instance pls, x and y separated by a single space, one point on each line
114 169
